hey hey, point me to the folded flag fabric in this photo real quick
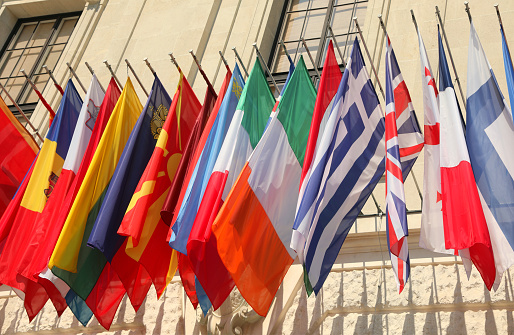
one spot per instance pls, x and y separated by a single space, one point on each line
489 127
258 213
132 163
396 209
17 151
184 172
214 134
52 219
309 181
245 130
175 196
142 223
46 172
432 229
464 222
34 259
350 158
72 260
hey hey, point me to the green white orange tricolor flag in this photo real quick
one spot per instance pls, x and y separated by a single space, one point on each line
253 227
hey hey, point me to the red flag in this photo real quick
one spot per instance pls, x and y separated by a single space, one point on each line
142 222
17 151
176 194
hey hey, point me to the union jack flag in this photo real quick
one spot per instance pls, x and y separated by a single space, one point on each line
404 142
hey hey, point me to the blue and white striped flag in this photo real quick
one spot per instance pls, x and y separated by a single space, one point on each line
350 161
489 135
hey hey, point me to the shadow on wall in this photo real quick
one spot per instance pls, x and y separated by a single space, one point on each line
439 299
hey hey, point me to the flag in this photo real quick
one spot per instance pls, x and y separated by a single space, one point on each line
212 139
80 266
44 227
509 69
29 246
184 172
17 151
432 230
465 226
396 209
142 221
46 172
489 133
245 130
350 158
329 83
132 163
52 219
214 135
259 210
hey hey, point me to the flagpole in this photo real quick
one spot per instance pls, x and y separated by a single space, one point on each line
310 57
149 66
59 88
201 70
266 67
76 77
369 56
240 62
337 45
467 10
386 35
286 52
135 76
224 60
174 61
22 113
92 73
501 26
457 80
112 73
48 108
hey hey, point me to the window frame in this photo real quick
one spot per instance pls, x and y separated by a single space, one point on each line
59 18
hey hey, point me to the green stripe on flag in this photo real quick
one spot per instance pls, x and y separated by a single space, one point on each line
296 108
256 102
90 262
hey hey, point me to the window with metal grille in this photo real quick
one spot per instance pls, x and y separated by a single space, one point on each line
310 20
34 42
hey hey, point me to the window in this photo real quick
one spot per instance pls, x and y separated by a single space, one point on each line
33 43
311 19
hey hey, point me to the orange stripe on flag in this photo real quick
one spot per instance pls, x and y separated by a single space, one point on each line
241 228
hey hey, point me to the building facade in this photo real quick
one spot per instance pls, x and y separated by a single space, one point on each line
360 295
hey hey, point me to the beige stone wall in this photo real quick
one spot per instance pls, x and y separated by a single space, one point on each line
360 295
